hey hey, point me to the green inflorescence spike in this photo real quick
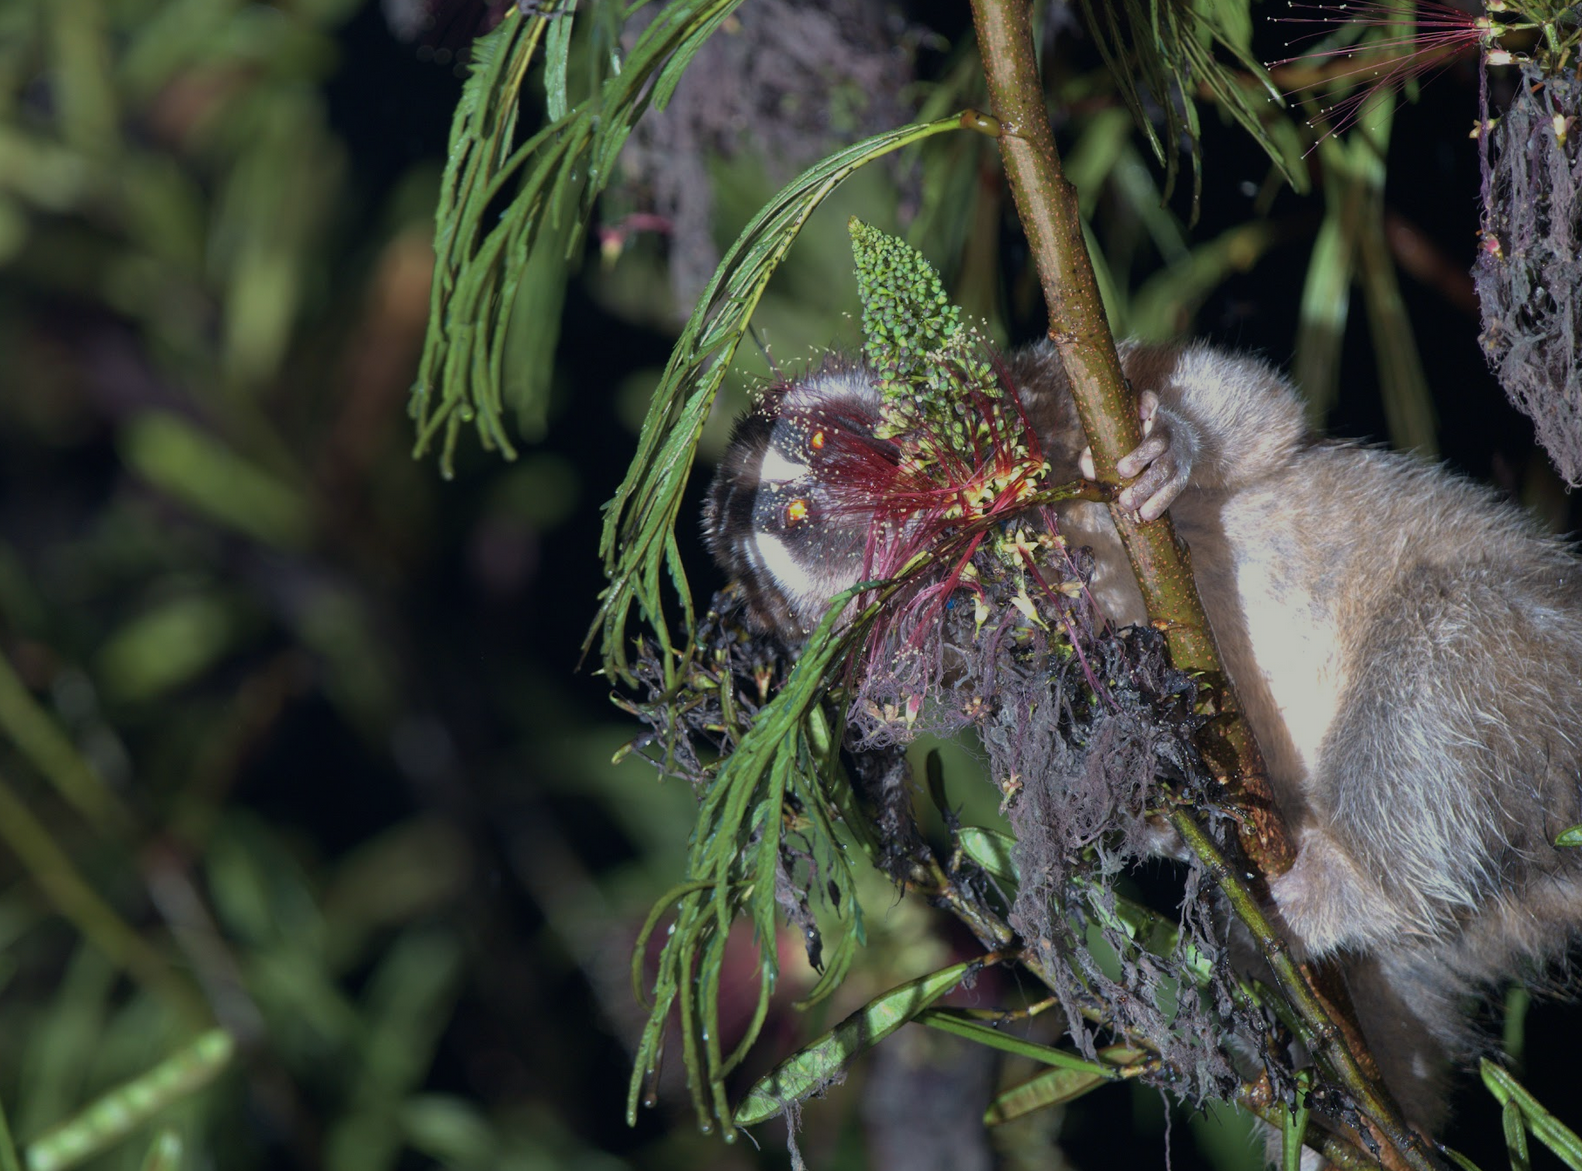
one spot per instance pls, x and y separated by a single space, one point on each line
928 361
906 316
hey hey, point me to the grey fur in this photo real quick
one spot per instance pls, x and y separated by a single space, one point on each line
1408 649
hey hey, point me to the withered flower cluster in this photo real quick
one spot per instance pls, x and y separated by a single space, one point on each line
1529 270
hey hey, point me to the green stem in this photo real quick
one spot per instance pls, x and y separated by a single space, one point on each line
1323 1037
40 739
77 901
1047 205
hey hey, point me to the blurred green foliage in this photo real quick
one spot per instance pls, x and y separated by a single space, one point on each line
256 908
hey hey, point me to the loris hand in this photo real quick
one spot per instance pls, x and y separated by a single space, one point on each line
1161 463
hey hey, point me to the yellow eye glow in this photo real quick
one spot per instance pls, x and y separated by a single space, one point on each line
796 512
817 440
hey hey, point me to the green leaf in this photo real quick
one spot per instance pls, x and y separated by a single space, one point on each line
1408 403
984 1033
1164 308
86 102
113 1116
166 647
1351 245
1545 1127
406 1007
1053 1087
212 479
1326 289
1515 1137
638 540
164 1153
1092 161
35 733
64 1035
1459 1159
1062 1084
992 850
1293 1125
1161 53
787 758
806 1071
266 242
1513 1039
8 1157
996 853
485 255
450 1129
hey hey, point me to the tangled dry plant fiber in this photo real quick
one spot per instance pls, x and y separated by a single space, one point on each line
1529 272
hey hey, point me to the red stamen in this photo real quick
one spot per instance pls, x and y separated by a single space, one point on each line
1440 34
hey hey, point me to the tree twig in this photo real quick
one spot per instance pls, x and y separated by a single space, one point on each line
1047 205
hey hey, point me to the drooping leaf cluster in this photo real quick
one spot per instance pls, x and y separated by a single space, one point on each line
758 744
1162 53
638 539
511 215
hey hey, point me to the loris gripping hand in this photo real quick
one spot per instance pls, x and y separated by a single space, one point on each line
1158 468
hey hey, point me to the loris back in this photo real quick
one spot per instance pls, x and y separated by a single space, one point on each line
1407 647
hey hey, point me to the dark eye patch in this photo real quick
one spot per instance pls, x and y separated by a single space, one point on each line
787 509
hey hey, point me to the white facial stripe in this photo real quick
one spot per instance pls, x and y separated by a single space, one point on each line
782 567
778 468
755 561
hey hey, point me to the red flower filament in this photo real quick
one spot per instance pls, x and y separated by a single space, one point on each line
1438 34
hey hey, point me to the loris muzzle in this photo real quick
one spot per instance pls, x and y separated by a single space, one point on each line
1407 647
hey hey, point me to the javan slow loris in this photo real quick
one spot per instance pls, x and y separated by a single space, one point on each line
1407 647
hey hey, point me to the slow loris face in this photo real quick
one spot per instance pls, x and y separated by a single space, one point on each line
790 513
808 501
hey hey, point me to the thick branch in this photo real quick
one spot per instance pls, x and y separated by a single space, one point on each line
1047 205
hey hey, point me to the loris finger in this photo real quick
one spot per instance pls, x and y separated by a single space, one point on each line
1136 461
1163 477
1162 462
1130 465
1155 490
